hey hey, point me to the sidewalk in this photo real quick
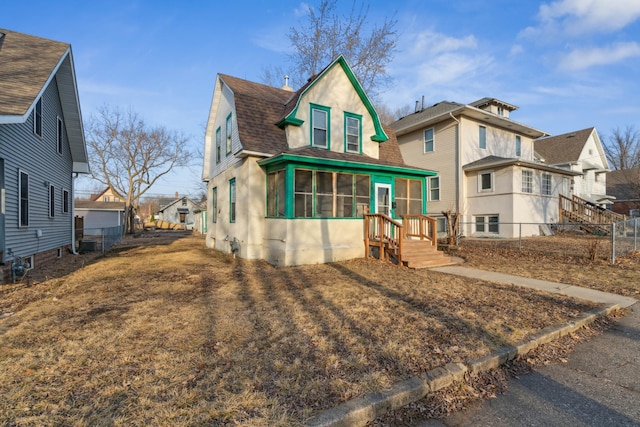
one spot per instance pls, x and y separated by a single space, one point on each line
569 399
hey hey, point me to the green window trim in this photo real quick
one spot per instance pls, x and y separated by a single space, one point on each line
214 205
228 132
218 144
232 200
350 121
317 128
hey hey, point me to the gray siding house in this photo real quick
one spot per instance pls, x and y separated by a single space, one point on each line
42 147
180 211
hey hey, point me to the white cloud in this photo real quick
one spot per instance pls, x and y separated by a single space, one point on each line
580 59
301 10
577 17
516 49
431 42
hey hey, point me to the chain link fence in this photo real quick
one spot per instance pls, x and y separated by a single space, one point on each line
595 241
100 239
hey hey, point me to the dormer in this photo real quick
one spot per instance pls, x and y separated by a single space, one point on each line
494 106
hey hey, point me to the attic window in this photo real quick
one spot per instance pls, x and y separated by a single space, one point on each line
319 126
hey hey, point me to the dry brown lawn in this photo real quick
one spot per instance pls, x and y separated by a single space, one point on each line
162 331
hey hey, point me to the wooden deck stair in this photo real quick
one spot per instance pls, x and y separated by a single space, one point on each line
591 218
422 254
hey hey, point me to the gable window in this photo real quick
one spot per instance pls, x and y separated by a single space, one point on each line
319 126
59 135
214 205
228 130
482 137
37 118
232 200
52 201
429 141
434 188
353 132
276 194
518 146
527 181
546 184
218 144
23 206
485 181
408 197
65 201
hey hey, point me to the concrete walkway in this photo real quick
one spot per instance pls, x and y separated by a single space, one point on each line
597 387
543 285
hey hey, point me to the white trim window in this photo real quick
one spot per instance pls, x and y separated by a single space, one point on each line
527 181
547 181
485 182
319 127
482 137
434 188
518 146
487 224
429 140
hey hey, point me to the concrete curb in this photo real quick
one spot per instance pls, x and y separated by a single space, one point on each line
359 411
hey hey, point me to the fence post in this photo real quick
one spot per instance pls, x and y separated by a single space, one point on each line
635 234
613 243
520 236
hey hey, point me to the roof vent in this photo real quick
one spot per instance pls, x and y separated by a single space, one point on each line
286 84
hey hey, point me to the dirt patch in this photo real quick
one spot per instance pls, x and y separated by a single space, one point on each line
164 331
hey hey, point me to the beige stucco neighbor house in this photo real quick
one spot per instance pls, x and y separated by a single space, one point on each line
487 168
580 151
289 174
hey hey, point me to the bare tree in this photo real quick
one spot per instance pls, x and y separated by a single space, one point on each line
326 34
129 156
622 148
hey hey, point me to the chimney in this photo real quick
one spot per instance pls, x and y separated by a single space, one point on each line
286 84
417 105
176 194
422 103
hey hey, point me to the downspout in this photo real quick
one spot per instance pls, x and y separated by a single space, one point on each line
457 160
73 215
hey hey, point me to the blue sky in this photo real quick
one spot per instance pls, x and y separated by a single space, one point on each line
568 64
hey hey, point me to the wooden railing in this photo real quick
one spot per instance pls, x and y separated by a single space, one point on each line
576 209
383 232
386 234
421 226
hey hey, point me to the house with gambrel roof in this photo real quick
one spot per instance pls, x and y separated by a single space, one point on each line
291 174
42 147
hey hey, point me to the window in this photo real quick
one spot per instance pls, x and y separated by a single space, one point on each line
324 194
228 130
276 194
487 223
214 205
482 137
52 201
303 193
218 144
485 181
408 196
527 181
37 118
429 143
59 135
232 200
546 184
518 146
500 111
319 126
353 130
434 188
441 224
24 199
65 201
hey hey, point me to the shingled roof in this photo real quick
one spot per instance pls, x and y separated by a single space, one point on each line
259 109
26 65
565 148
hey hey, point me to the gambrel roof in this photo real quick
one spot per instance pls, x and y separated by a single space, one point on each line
28 64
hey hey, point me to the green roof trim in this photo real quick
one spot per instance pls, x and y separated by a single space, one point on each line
344 164
379 136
